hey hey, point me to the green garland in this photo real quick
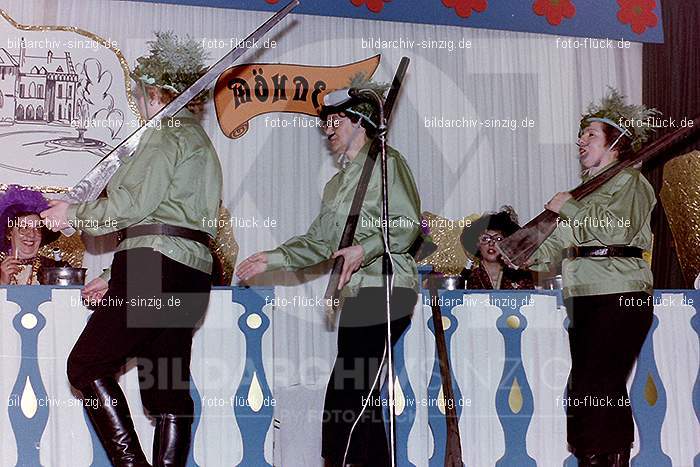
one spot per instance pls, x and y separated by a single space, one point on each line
632 118
172 64
359 81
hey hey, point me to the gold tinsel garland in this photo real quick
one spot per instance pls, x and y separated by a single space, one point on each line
450 257
72 249
680 195
224 247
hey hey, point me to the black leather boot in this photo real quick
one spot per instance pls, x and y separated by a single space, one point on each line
616 459
171 442
619 459
109 414
593 460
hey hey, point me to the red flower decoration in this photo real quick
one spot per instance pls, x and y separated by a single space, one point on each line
638 14
375 6
554 10
464 7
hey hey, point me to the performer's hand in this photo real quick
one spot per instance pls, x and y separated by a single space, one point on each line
252 266
55 218
94 290
508 263
558 201
8 269
353 257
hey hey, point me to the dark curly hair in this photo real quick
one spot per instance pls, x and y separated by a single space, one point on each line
500 221
369 129
624 145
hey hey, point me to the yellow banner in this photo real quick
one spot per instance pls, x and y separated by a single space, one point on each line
246 91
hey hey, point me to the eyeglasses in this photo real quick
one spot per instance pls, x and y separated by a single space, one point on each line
486 238
26 228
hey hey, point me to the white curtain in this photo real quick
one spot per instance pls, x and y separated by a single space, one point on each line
280 172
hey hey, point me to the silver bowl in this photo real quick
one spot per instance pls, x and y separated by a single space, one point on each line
553 283
62 276
446 282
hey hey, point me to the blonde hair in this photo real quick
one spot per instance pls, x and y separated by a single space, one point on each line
166 96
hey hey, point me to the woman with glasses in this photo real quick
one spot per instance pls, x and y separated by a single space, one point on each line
22 233
479 240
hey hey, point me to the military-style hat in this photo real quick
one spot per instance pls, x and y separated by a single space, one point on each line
333 104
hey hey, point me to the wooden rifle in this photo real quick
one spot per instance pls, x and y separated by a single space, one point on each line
453 444
518 247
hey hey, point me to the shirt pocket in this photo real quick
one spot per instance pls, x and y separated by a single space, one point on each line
370 216
133 182
600 197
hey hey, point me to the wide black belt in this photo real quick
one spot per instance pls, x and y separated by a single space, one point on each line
163 229
603 251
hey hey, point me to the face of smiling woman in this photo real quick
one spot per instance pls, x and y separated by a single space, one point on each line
487 245
25 236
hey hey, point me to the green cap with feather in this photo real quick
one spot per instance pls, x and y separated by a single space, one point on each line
172 64
631 120
358 107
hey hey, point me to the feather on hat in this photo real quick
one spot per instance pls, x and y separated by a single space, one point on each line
631 120
173 63
358 107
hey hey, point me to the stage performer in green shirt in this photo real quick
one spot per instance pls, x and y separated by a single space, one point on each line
148 303
599 242
353 430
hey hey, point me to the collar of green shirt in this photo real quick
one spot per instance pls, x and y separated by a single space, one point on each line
587 175
361 155
185 113
181 114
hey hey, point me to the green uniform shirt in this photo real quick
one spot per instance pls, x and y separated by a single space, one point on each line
323 237
174 177
616 214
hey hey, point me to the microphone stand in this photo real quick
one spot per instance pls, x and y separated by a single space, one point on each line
387 264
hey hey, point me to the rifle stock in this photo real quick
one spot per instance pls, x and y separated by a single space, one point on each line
518 247
453 444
